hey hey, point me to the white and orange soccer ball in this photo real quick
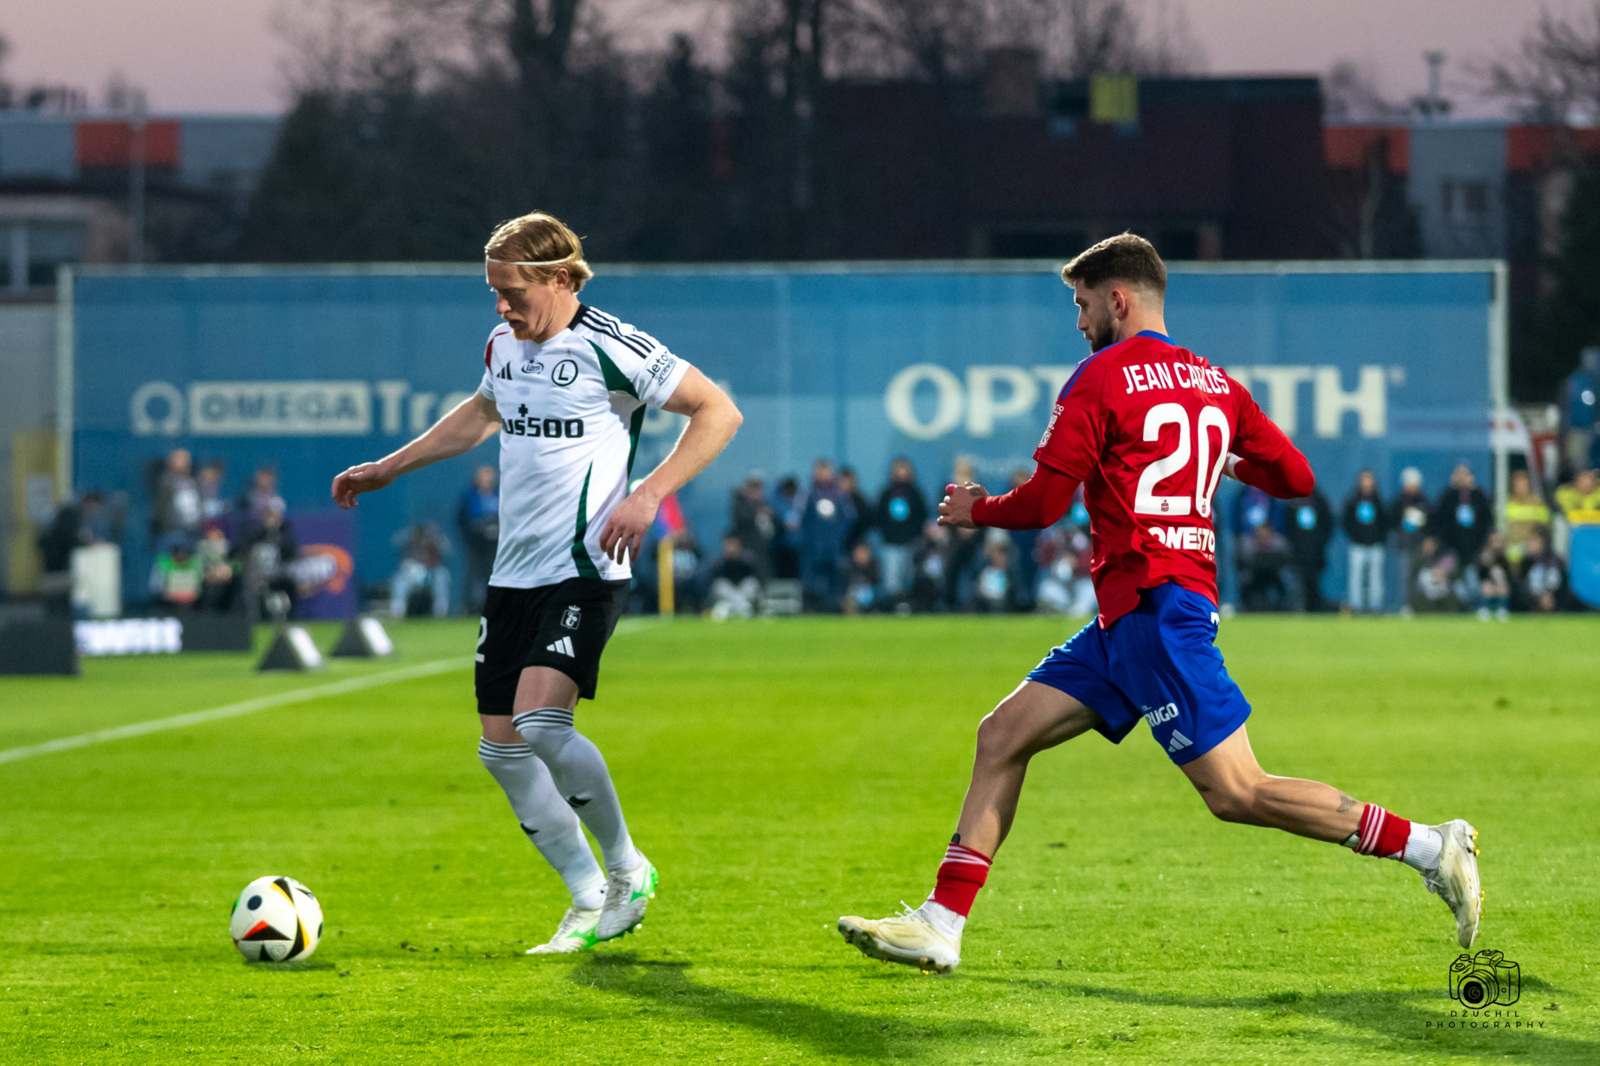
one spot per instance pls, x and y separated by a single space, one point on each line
276 919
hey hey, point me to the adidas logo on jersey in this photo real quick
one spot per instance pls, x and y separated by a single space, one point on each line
562 647
1178 742
505 373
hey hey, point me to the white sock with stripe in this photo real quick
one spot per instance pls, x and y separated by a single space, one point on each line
546 819
580 773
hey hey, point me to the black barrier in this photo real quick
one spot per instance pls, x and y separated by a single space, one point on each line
216 632
43 645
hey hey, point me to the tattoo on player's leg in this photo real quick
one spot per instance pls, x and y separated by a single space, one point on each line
1347 803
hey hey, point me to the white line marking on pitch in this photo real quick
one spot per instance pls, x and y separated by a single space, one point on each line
234 710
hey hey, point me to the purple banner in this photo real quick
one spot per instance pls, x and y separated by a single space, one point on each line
325 568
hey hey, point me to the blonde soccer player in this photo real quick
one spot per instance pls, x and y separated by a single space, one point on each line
566 387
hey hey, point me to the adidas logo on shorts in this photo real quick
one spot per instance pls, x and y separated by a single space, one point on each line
562 647
1178 742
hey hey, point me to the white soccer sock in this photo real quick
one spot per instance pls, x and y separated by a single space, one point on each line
546 819
1423 847
580 773
943 918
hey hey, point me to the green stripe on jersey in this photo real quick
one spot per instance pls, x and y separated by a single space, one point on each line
616 380
580 553
635 425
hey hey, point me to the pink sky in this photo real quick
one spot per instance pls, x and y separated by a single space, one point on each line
221 55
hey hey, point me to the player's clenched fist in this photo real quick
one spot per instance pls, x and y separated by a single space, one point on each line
625 531
363 477
956 507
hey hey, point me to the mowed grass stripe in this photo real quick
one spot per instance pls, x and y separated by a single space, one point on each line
235 710
413 639
781 774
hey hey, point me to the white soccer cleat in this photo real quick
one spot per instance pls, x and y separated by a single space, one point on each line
1455 879
575 933
628 892
909 939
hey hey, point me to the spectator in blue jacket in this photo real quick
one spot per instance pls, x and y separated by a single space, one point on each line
827 518
1579 395
786 507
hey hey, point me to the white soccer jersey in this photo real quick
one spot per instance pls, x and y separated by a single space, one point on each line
570 413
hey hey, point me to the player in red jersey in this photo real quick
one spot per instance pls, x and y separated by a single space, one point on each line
1148 429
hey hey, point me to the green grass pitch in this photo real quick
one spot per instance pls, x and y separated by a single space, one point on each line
781 774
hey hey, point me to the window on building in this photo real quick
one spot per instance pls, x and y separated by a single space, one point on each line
50 244
30 251
1464 202
1036 244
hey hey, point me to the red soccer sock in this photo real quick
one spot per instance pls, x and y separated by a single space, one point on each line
961 874
1382 833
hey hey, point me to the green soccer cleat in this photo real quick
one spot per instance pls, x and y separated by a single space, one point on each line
628 892
575 933
1455 880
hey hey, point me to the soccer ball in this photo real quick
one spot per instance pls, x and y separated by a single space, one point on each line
276 919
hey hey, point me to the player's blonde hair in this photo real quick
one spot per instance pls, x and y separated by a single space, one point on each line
539 245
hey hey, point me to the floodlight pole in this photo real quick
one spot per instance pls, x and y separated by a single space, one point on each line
136 176
1500 388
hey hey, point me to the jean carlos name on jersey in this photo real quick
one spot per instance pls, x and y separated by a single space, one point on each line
570 414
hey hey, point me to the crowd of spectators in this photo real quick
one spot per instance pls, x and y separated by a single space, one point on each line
216 553
828 546
1447 553
213 553
845 551
839 549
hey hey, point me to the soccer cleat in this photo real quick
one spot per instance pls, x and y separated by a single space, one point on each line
575 933
1455 879
628 892
908 938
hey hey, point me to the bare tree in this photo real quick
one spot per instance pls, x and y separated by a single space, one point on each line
1350 93
1084 37
1553 75
332 42
539 39
930 40
934 39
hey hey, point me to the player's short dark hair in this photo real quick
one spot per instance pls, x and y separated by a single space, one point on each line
1125 257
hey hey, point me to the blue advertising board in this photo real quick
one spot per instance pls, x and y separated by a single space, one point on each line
312 369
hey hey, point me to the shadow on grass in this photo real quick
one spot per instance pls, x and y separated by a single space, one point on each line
832 1032
296 966
1389 1014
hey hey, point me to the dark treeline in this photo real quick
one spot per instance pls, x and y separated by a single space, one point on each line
419 124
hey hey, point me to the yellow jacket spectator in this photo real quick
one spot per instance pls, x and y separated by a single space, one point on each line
1580 501
1526 516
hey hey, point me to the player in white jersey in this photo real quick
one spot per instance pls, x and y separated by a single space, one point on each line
566 387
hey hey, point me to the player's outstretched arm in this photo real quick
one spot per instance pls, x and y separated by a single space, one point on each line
713 420
1287 477
472 422
1263 456
1037 503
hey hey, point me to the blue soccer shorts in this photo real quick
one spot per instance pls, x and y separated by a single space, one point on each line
1156 662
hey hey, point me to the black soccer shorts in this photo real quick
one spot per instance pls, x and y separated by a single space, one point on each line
563 626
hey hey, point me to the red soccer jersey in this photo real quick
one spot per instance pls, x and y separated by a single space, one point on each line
1146 427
